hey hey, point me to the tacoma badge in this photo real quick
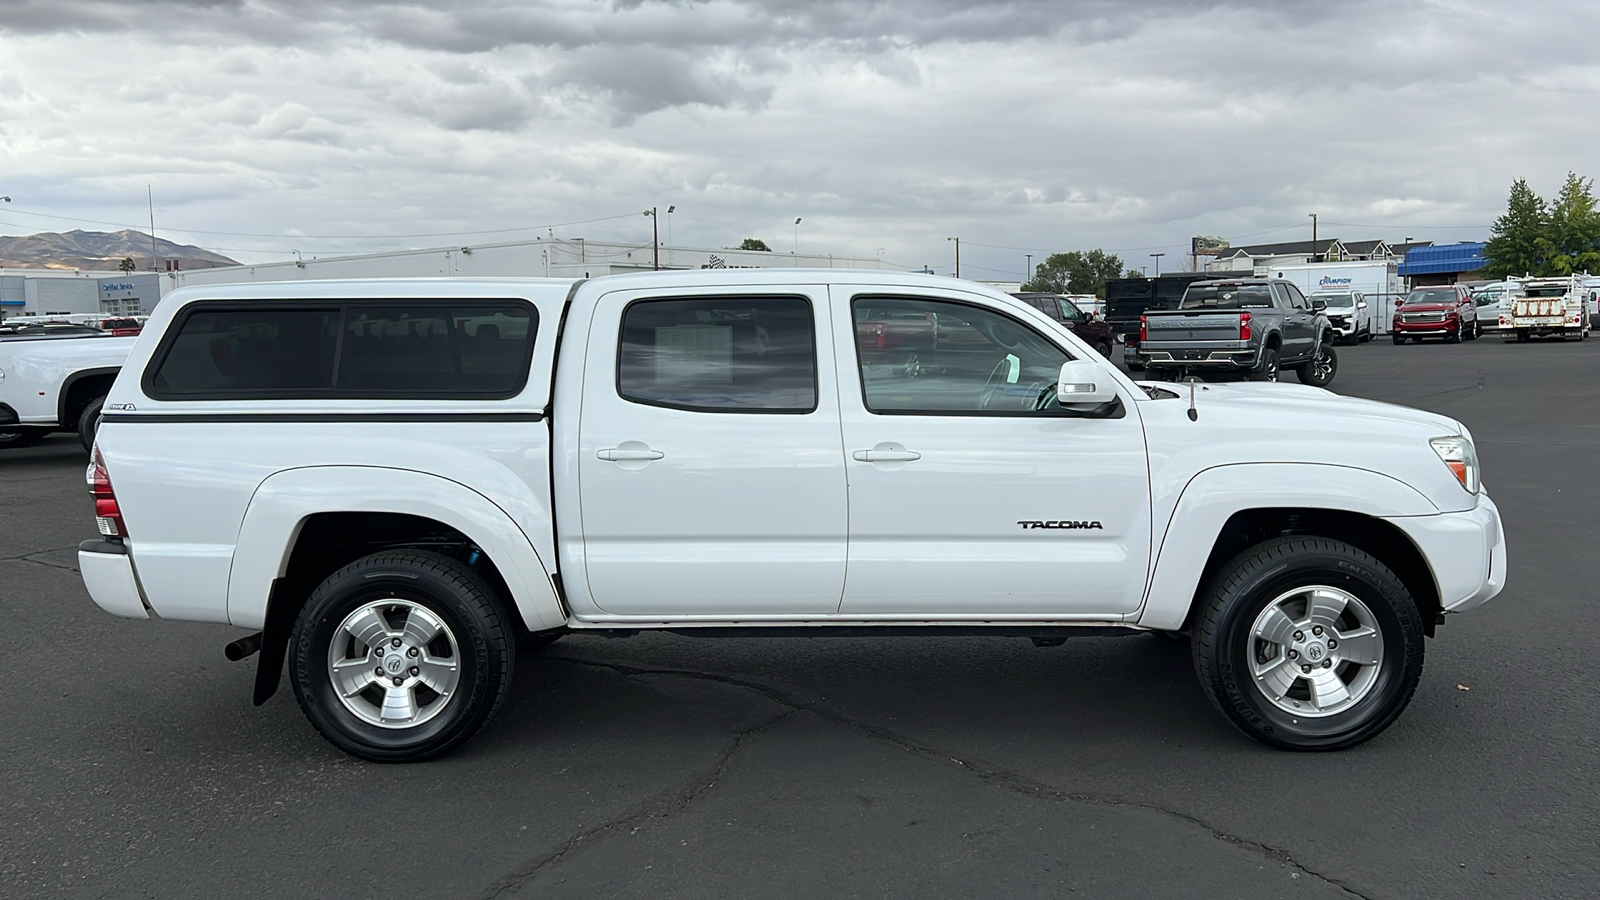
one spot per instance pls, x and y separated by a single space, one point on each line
1063 523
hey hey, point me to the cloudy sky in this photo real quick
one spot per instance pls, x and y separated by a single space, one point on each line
334 126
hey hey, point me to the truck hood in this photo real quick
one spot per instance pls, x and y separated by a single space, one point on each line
1294 402
1425 307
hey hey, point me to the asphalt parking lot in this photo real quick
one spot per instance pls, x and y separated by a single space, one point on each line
134 764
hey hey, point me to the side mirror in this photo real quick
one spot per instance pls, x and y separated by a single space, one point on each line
1084 382
1319 304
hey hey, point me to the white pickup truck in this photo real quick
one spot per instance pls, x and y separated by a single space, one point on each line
1549 306
393 483
52 383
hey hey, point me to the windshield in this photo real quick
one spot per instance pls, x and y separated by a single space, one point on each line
1335 299
1441 295
1553 291
1226 296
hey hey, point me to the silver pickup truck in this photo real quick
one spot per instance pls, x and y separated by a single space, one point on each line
1252 325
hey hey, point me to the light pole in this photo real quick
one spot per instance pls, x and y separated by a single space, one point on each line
958 254
1029 276
796 252
670 211
1157 258
655 237
1313 237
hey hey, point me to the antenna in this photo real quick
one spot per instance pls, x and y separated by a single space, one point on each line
1194 415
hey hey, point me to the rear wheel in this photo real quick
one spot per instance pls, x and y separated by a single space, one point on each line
1522 335
1103 348
89 422
1267 368
1454 337
401 656
1309 644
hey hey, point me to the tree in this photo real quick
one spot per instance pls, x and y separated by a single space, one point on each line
127 264
1571 240
1075 272
1513 248
755 244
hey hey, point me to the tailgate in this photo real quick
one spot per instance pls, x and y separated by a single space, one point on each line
1191 327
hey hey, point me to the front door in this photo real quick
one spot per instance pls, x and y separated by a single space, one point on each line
972 493
711 472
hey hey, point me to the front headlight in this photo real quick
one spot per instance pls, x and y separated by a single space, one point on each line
1461 458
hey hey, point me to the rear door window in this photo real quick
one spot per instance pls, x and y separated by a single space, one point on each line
720 354
368 349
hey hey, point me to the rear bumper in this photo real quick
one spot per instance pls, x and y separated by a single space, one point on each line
108 575
1238 360
1465 550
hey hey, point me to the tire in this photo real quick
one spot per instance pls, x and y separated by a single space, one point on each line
27 437
89 422
1477 330
1267 368
1454 337
1522 335
393 595
1398 339
1320 369
1375 617
1104 349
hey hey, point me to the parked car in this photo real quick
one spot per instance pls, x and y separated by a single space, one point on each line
1129 298
1348 312
1095 332
389 495
55 378
1494 301
1444 311
121 327
1557 306
1245 325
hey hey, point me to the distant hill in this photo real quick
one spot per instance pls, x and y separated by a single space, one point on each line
100 250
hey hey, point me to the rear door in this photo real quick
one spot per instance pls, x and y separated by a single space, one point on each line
972 493
711 469
1299 322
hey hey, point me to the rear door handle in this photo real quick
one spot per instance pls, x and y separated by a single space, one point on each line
619 454
885 455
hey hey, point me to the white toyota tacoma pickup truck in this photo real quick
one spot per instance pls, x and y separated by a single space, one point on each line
393 483
55 383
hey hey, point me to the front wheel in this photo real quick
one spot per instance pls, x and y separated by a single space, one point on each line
1103 348
1398 339
401 656
1307 643
1321 368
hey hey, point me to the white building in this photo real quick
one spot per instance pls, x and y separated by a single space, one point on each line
56 292
554 257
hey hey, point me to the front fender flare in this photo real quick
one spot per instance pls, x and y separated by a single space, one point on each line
1214 495
284 501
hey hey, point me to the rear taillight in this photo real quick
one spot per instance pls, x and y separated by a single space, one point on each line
1142 323
1244 326
106 513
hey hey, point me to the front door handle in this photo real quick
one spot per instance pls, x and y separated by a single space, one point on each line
877 455
624 453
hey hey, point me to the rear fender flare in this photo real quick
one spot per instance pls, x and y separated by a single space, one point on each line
284 501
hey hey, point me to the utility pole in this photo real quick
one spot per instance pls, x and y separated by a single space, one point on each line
155 264
1314 237
958 254
655 238
1029 276
1157 258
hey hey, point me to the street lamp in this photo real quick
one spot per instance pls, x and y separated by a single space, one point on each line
1157 258
670 211
1313 237
655 237
796 236
1029 275
958 254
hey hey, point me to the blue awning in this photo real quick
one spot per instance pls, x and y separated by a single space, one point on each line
1441 259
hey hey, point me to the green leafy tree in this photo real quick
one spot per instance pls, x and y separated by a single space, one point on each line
1514 246
1075 272
755 244
126 265
1571 239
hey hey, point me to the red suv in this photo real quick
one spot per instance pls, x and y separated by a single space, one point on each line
1442 311
1096 332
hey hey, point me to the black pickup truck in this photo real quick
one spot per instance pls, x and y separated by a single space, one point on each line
1129 298
1245 325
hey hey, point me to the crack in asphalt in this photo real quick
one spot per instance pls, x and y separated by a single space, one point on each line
988 772
29 557
662 806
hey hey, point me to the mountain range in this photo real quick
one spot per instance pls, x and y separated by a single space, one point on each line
101 251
